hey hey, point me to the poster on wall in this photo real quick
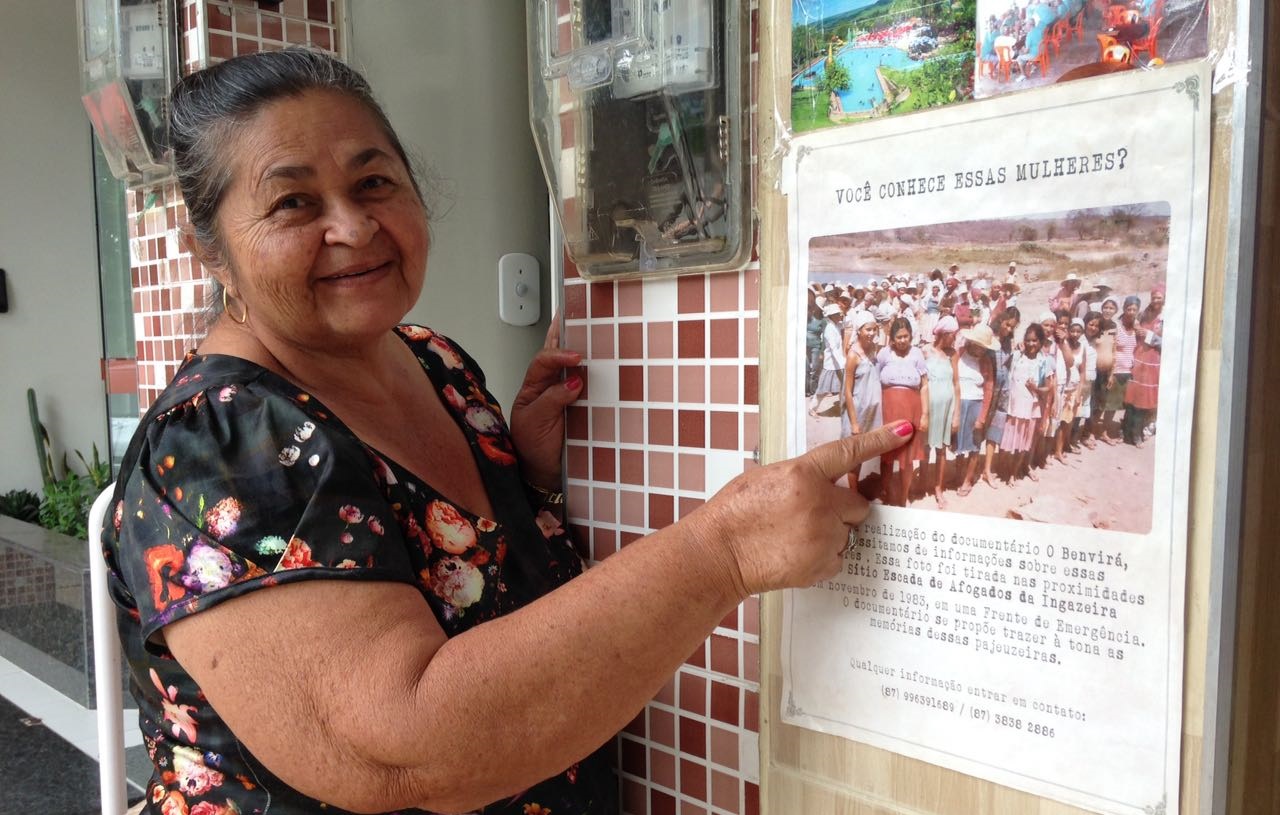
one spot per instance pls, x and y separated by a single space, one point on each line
1023 280
854 60
1027 43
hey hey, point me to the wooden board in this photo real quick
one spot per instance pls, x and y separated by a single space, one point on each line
817 774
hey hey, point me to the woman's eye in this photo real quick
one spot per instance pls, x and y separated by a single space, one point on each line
374 182
288 202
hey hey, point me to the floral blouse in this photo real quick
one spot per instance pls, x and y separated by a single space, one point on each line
237 480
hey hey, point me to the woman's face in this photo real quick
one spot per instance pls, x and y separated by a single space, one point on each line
325 240
902 341
1076 331
1157 300
1007 327
1031 344
1049 326
1093 328
1109 309
1130 314
946 340
867 333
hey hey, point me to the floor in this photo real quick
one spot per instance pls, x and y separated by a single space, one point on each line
49 749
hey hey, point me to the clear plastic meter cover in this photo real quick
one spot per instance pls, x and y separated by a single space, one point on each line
637 111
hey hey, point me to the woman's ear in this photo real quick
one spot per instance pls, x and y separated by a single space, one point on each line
208 257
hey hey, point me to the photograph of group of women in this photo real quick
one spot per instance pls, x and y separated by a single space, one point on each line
1026 351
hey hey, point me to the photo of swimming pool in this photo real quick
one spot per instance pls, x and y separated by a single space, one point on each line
864 92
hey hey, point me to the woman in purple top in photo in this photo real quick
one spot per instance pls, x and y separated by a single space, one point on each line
904 382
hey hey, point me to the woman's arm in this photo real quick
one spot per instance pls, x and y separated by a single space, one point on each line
955 391
988 370
351 693
851 363
924 404
537 413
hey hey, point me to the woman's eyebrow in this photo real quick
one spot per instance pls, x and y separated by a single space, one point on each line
366 156
296 171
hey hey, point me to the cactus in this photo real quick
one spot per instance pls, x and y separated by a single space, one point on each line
43 448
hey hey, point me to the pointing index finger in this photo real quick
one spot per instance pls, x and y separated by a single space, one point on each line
836 458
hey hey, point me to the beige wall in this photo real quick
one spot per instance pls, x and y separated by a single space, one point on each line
452 78
51 338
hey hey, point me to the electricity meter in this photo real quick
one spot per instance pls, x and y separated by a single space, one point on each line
128 66
638 112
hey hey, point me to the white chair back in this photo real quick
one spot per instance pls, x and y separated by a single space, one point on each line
106 666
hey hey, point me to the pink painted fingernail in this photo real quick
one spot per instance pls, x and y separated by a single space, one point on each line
904 430
573 382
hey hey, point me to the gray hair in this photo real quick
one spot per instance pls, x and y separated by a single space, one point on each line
208 106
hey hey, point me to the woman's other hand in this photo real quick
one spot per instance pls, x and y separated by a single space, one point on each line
537 414
786 525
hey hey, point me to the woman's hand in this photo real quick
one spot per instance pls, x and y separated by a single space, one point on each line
787 525
537 414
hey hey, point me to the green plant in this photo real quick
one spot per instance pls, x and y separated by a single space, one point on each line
66 505
21 504
835 78
67 497
43 449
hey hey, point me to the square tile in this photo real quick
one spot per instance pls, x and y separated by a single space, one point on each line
603 505
691 336
662 727
724 747
724 291
602 424
604 464
604 542
693 693
725 793
693 779
724 430
631 467
660 425
692 428
661 470
693 737
724 700
660 299
661 344
574 338
661 803
630 340
661 387
691 383
724 339
630 298
723 387
692 296
693 472
578 458
631 424
601 298
688 504
575 301
631 508
630 384
661 511
662 768
602 341
751 385
633 757
724 655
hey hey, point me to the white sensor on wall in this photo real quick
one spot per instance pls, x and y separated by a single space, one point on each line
519 289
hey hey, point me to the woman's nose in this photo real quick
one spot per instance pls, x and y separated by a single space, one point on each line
349 224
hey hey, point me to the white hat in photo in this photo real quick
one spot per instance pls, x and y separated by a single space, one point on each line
1071 277
830 310
980 334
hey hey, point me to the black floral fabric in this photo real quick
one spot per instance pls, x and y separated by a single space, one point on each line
237 480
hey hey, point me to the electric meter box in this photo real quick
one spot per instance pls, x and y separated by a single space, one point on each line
128 66
638 109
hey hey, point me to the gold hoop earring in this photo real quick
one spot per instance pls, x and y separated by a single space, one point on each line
244 312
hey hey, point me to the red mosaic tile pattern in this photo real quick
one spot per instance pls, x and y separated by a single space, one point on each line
670 415
170 289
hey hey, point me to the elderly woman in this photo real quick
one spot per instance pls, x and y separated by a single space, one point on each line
341 581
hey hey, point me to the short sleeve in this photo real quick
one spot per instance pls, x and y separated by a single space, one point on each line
240 487
922 367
